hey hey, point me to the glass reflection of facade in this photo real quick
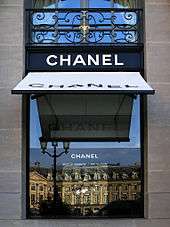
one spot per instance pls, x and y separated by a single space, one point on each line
95 179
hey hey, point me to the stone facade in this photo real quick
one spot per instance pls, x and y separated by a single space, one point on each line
157 155
11 69
157 71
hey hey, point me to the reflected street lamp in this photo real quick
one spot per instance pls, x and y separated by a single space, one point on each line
55 155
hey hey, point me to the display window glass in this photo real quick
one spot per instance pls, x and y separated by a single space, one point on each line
92 178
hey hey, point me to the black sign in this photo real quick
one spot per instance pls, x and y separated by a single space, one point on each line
53 61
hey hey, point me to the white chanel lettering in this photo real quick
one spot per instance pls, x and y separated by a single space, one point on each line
97 60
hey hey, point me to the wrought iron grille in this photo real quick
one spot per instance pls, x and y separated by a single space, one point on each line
84 26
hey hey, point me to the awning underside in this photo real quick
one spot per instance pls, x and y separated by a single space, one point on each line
83 82
85 117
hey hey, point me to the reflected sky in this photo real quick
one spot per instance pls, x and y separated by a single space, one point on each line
80 3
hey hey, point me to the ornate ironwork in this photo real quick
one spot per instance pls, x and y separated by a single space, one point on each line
85 26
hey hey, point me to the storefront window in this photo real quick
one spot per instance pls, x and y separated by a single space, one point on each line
94 179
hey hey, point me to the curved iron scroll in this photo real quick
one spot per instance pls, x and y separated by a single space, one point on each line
110 26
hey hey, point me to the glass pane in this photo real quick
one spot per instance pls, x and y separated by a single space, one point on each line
86 3
84 27
100 4
40 4
113 4
56 4
92 178
69 4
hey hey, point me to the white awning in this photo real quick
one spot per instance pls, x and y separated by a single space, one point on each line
83 82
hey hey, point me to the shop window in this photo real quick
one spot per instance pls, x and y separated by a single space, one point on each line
84 146
83 171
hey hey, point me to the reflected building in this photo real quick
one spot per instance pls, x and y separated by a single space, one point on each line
41 187
87 190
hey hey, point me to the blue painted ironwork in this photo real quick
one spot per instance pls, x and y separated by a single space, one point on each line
84 26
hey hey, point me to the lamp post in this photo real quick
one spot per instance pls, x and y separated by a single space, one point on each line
43 144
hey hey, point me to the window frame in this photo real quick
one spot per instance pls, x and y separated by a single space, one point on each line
142 113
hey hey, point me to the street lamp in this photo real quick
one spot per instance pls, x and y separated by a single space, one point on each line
55 155
66 146
43 145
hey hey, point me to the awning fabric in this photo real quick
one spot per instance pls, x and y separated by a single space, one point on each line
82 82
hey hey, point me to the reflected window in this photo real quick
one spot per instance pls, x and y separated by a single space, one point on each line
96 199
32 199
33 187
40 197
41 188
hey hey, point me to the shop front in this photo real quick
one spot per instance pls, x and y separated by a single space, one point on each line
85 90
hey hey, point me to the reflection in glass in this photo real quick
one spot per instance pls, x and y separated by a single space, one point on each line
90 195
85 4
82 117
93 179
40 4
81 26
